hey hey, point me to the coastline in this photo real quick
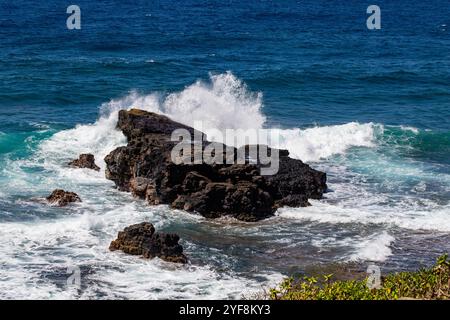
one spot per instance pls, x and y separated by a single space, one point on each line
432 283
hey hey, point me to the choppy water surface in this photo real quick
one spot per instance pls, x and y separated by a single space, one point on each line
370 109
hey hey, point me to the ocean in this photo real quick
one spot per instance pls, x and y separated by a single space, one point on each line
371 108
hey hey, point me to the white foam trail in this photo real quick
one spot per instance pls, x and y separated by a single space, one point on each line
375 248
338 213
411 129
83 240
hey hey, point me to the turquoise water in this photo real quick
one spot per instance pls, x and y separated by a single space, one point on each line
370 108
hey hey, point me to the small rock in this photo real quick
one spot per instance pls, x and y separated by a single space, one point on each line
141 239
85 161
62 198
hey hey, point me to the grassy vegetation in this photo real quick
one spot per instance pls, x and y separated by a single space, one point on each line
431 283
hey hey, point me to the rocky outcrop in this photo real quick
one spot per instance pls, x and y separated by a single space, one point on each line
141 239
85 161
62 198
145 168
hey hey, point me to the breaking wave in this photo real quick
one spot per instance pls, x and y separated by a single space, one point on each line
223 103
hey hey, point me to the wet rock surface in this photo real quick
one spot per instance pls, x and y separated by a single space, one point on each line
62 198
142 239
85 161
145 168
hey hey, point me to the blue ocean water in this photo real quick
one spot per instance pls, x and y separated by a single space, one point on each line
369 107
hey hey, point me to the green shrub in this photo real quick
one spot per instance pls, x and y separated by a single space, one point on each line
432 283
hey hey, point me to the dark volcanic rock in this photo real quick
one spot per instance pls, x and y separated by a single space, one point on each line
138 123
145 168
243 200
141 239
85 161
62 198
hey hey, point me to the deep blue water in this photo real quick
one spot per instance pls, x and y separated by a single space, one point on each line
371 108
314 61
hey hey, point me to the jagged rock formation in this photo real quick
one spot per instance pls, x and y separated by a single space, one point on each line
145 168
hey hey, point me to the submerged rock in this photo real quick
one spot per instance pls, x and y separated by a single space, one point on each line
141 239
62 198
145 168
85 161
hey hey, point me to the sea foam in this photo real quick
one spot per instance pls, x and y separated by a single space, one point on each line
81 234
375 248
223 103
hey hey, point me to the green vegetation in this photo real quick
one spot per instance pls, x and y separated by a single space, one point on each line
432 283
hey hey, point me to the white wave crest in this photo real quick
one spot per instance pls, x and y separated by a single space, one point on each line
318 143
375 248
222 103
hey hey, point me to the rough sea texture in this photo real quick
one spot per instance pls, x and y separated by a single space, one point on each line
370 108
